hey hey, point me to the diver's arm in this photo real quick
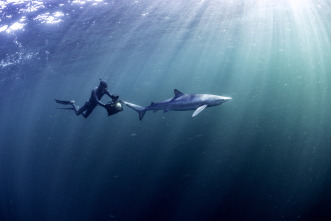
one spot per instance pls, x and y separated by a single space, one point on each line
95 97
114 97
108 93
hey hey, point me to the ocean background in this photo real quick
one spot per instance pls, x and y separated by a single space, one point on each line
264 155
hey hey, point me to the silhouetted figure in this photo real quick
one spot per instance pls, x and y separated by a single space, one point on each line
94 100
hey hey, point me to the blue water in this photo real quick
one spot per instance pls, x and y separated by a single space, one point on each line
265 155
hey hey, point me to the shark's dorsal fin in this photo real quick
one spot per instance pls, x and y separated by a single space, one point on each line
198 110
177 93
152 103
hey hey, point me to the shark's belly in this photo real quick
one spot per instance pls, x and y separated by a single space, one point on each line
185 106
179 106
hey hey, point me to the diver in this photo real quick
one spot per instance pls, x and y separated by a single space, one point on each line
112 107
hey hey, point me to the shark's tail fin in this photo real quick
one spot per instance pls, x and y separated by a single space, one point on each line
141 110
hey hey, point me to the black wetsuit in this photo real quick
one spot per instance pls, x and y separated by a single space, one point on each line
94 100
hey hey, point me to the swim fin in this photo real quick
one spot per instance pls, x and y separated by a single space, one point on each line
64 102
66 108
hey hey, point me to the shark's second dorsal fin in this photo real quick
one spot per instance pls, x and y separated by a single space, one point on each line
177 93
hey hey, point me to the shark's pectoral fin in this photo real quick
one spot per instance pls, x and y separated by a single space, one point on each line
165 110
198 110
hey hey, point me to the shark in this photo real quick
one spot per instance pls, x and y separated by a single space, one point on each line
181 102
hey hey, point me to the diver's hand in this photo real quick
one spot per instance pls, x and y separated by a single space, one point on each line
103 105
115 97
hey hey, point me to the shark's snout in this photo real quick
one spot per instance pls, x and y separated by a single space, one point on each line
220 99
227 99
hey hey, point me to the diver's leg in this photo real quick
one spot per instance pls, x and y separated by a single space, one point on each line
89 111
78 110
